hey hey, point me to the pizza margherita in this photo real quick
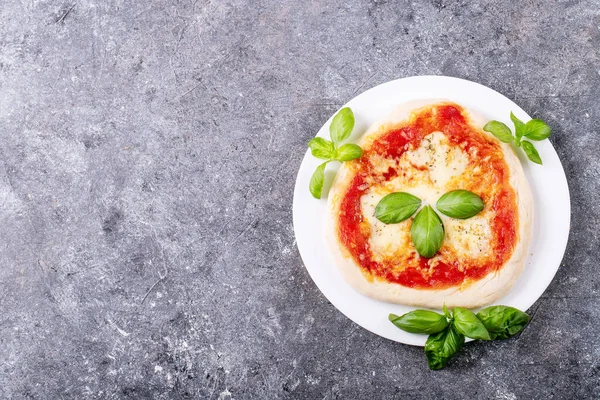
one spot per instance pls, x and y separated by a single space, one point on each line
428 149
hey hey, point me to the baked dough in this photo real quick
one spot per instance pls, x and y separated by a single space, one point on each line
470 292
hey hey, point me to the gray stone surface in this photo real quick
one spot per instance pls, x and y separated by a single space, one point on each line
148 152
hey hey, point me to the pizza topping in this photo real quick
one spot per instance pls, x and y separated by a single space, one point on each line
469 237
384 239
427 232
396 207
440 161
460 204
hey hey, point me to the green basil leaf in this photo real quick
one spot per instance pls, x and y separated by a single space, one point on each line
500 130
467 323
519 126
503 322
316 181
447 313
321 148
440 347
460 204
531 152
420 321
427 232
341 125
348 152
536 129
396 207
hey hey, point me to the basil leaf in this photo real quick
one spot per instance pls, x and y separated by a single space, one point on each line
440 347
420 321
341 125
316 181
348 152
531 152
467 323
500 130
447 313
396 207
536 129
321 148
519 126
427 232
503 322
460 204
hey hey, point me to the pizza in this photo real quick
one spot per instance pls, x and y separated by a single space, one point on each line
427 149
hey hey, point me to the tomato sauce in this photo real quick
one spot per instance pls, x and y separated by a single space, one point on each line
450 120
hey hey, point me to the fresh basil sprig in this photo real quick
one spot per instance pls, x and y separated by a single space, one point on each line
536 129
447 332
460 204
339 130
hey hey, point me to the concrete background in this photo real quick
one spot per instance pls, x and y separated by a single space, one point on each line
148 152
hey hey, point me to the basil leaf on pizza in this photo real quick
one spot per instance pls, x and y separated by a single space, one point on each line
467 323
347 152
503 322
341 126
420 321
317 180
396 207
536 129
531 152
460 204
500 130
441 347
427 232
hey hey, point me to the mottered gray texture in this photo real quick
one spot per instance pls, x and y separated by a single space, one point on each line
148 156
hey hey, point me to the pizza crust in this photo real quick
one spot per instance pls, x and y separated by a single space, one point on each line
479 293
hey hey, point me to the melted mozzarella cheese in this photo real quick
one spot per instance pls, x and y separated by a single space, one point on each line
385 239
468 237
442 161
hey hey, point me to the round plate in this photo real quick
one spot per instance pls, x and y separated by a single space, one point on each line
548 183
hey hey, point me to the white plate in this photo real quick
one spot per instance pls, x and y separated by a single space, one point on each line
548 183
